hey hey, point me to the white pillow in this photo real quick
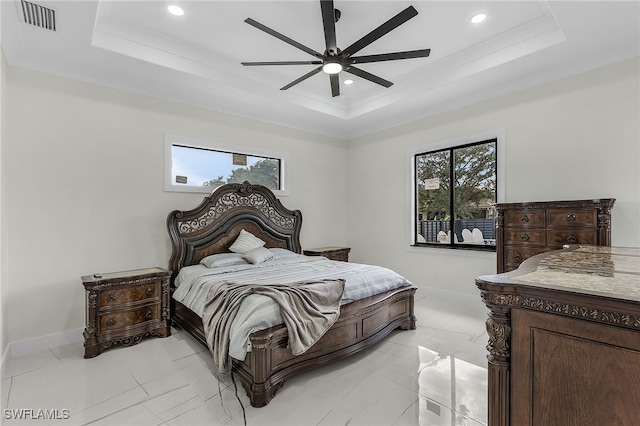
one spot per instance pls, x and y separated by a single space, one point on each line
246 242
258 255
223 259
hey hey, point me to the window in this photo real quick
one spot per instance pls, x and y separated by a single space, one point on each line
454 189
201 166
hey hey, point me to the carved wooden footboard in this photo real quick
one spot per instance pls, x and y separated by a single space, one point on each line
213 226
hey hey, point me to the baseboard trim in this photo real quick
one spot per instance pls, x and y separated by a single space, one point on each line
3 362
36 344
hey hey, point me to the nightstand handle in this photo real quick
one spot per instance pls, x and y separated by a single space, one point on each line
111 298
149 291
149 314
111 322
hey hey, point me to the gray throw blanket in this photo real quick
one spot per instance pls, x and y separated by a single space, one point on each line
308 308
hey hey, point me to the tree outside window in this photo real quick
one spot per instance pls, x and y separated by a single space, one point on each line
194 166
455 190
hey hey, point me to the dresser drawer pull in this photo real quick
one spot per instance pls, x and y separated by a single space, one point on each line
571 218
525 218
524 237
149 291
571 239
111 322
149 314
518 257
111 298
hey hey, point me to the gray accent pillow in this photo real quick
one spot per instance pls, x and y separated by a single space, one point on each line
259 255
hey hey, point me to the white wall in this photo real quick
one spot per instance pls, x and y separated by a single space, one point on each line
83 181
576 138
4 330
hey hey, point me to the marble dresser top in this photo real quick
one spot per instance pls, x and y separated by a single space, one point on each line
606 271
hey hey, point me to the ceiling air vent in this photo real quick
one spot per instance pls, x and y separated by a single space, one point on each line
40 16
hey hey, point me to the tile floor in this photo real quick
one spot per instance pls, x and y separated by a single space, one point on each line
435 375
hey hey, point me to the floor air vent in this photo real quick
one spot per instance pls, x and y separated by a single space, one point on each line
40 16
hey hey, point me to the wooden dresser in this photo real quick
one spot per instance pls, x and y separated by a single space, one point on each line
564 339
332 253
526 229
123 307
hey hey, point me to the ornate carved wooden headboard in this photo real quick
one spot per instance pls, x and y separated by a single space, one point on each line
214 225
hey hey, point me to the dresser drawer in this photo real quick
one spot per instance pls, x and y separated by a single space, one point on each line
559 237
126 318
514 256
578 218
119 296
524 218
535 237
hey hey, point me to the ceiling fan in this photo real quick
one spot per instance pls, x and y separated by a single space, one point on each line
334 60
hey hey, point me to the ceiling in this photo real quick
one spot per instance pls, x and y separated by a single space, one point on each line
196 58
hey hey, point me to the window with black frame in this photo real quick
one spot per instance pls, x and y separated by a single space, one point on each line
455 189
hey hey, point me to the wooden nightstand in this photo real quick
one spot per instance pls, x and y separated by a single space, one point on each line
333 253
124 307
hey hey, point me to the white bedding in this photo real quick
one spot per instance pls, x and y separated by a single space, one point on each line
259 312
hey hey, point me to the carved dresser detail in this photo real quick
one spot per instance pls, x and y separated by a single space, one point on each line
332 253
124 307
526 229
564 339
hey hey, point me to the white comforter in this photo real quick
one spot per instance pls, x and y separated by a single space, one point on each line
260 312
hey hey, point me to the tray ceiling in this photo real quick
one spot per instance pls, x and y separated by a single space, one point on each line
195 58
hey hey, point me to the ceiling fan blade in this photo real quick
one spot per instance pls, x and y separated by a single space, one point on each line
304 77
335 85
329 24
368 76
253 64
423 53
282 37
383 29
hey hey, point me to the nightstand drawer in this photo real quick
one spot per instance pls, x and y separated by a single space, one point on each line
120 319
525 236
119 296
331 253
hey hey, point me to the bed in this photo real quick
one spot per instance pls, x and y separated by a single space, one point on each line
212 228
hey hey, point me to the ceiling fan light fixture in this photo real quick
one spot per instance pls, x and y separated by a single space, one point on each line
334 60
332 67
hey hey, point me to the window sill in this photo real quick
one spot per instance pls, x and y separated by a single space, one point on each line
488 252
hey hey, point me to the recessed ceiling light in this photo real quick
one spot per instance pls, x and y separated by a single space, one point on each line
175 10
478 18
348 82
